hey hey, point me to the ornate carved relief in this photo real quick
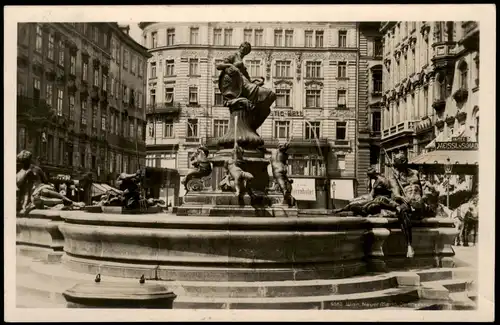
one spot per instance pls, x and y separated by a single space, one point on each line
343 113
313 83
268 64
342 56
283 82
298 63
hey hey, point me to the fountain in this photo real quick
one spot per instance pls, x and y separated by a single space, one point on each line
245 247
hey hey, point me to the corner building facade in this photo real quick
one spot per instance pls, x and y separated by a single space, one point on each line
312 67
71 112
431 84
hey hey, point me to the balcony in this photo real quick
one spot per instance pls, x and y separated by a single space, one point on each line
439 104
164 108
94 93
301 142
444 56
405 127
461 95
34 110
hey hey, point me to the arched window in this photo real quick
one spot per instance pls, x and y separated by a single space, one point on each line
463 70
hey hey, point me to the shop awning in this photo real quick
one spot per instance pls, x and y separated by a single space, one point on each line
457 157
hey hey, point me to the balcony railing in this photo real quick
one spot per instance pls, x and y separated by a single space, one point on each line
400 128
163 108
377 87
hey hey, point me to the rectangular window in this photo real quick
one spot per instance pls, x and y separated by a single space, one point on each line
313 69
193 95
289 38
169 68
378 47
319 38
96 77
60 98
96 34
218 36
39 39
105 38
85 71
193 35
72 65
84 112
312 130
170 36
72 107
342 70
125 59
218 100
103 122
341 131
168 129
153 69
193 67
283 68
131 127
313 98
377 81
426 51
341 98
169 95
133 68
283 98
308 36
36 89
278 37
253 67
376 122
192 128
228 36
140 65
340 162
50 52
94 116
259 37
152 96
61 49
247 35
282 129
342 38
49 96
104 82
220 128
154 39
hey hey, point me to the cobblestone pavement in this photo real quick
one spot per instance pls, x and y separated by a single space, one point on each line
466 256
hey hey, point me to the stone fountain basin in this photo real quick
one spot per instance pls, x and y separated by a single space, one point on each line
186 248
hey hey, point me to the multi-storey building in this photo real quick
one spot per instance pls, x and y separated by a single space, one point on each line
71 113
431 83
312 67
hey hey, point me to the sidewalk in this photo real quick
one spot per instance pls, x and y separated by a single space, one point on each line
466 256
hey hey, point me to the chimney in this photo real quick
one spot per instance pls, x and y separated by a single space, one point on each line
125 28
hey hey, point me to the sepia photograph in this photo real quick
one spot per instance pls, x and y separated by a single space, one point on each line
238 161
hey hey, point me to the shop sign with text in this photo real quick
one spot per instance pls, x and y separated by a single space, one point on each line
286 113
304 189
455 145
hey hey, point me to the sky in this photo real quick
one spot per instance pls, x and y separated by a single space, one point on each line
135 31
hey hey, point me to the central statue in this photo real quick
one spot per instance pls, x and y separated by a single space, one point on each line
246 98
